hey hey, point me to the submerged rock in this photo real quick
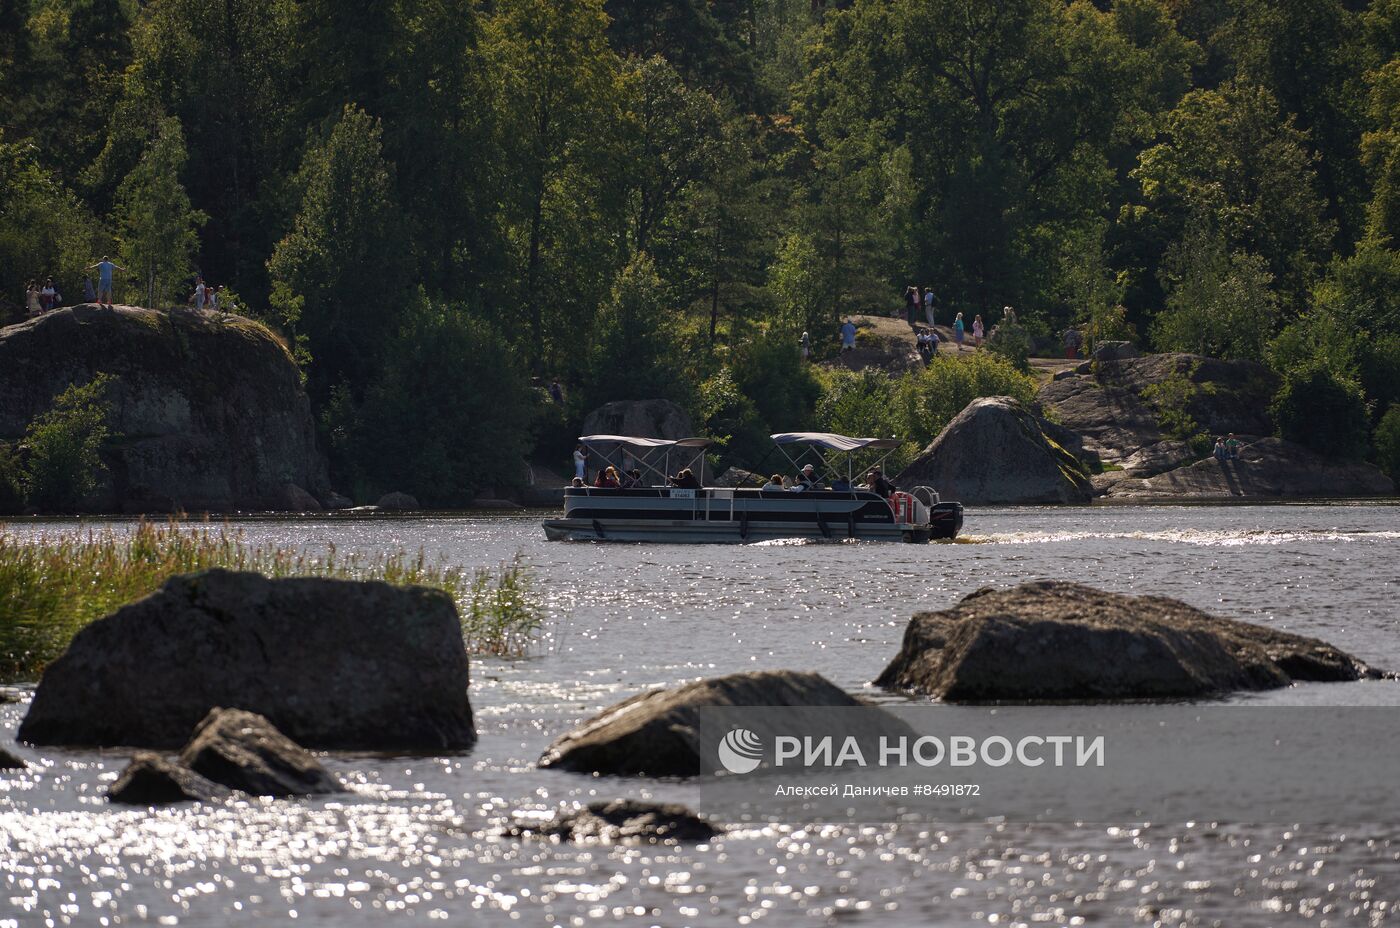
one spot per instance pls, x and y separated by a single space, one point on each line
246 752
1268 468
1058 640
624 820
151 780
657 733
332 663
996 452
210 408
10 761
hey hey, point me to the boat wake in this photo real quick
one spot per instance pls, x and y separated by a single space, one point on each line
1196 537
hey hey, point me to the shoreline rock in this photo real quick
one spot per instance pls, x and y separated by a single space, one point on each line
207 411
339 664
996 451
10 761
1054 640
1269 468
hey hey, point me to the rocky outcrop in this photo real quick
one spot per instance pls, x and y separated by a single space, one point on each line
657 733
1268 468
208 412
1053 640
246 752
624 821
1118 407
640 419
998 452
331 663
151 780
1115 351
885 344
9 761
738 477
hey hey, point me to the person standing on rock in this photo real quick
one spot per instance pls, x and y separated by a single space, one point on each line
928 306
805 347
977 332
199 293
1219 451
556 392
89 291
48 296
580 462
959 331
1232 447
1072 342
848 336
31 299
104 270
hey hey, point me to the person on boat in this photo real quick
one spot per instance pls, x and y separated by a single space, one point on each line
578 483
631 479
685 480
841 485
876 482
774 484
607 479
808 479
580 461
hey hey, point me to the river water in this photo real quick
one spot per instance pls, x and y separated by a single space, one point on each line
416 838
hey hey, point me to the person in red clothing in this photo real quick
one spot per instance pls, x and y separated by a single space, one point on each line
607 479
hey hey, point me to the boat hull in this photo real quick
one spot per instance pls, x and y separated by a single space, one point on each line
719 516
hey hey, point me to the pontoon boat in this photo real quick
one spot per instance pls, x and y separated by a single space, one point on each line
743 514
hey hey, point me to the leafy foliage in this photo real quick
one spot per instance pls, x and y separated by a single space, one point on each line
1387 442
1322 410
62 463
158 230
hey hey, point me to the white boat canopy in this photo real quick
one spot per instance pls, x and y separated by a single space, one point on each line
645 442
833 442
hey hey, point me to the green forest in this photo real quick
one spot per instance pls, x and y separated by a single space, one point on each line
442 205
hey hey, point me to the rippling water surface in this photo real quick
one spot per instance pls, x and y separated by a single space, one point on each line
416 837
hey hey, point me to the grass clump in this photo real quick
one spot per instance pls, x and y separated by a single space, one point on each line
51 587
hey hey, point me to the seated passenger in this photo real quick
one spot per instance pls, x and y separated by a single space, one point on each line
632 479
876 483
685 480
578 483
841 485
808 480
775 483
607 479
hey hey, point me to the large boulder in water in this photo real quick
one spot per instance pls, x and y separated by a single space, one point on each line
640 419
1054 640
1270 468
331 663
657 733
998 452
246 752
208 409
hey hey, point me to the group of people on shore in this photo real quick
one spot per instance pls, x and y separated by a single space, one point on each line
39 299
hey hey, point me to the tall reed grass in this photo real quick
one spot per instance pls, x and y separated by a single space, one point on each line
52 586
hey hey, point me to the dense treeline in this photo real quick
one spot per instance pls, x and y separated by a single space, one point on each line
436 201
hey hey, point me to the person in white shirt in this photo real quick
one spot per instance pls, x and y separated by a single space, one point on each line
580 461
928 304
775 483
199 291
